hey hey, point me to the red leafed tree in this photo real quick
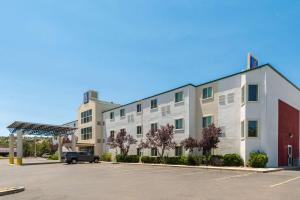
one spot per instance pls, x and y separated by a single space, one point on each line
190 144
210 139
161 139
123 141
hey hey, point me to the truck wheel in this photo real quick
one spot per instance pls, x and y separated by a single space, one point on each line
74 161
96 160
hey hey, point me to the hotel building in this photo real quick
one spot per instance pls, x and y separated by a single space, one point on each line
257 109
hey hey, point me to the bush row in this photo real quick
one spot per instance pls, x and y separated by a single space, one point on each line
257 160
128 159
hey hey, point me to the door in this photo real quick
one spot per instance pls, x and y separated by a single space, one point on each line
290 155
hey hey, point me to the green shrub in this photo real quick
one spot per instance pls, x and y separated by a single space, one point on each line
258 159
153 160
175 160
107 156
195 160
214 160
128 158
233 160
53 157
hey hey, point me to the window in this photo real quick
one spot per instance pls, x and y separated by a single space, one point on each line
222 100
122 112
153 103
252 128
178 151
207 121
242 129
86 133
86 116
138 152
252 92
207 93
178 97
230 98
154 127
123 130
112 134
139 130
153 152
179 124
223 131
243 95
112 115
139 108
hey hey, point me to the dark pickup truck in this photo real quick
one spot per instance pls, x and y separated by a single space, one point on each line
74 157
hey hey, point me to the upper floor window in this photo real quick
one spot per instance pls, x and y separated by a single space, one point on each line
153 103
253 92
207 121
139 130
86 116
139 108
207 93
122 112
112 115
252 128
178 97
179 124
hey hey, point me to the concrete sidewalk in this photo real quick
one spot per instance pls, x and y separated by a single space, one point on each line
243 169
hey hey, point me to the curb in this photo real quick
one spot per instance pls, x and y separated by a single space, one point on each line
12 190
257 170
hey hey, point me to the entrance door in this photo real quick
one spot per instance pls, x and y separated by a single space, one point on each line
290 155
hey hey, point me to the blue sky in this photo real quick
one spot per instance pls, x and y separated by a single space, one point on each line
53 51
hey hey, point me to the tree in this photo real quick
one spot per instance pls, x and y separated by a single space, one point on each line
123 141
160 139
190 144
210 139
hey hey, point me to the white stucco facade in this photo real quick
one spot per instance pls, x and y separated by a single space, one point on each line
228 107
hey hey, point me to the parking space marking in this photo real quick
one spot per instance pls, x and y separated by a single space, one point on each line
235 176
284 182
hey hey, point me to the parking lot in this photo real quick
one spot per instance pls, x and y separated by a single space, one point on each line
119 181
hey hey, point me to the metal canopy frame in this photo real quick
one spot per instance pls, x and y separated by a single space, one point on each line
28 128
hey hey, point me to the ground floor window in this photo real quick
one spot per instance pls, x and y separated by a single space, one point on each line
252 128
178 151
138 152
153 151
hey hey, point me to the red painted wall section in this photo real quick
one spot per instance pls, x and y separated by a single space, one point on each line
288 132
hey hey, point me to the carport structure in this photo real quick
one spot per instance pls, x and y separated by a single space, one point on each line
35 129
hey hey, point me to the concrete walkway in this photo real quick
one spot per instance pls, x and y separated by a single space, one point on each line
243 169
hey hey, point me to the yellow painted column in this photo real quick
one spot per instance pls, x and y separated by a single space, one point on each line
11 149
19 148
59 147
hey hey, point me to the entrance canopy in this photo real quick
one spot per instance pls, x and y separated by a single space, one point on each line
28 128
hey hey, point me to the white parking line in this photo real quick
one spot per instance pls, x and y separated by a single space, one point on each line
235 176
284 182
